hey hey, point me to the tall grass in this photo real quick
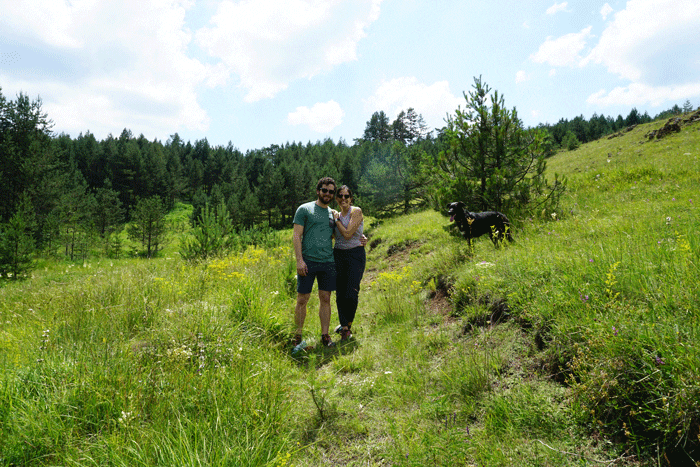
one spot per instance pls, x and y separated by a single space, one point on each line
614 281
159 362
583 330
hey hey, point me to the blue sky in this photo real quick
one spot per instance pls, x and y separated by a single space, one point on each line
263 72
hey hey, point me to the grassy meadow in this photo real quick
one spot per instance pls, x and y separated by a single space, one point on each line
576 345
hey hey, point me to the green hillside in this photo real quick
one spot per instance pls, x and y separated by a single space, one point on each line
575 345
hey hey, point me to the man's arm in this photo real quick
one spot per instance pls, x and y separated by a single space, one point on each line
297 235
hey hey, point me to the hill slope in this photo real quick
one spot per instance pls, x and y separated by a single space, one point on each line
576 345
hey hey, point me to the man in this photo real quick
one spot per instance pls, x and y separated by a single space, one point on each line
313 248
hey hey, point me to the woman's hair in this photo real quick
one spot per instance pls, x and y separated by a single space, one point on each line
344 187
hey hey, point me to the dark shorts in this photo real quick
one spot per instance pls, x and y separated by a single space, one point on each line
325 272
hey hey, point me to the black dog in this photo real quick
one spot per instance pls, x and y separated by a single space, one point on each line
476 224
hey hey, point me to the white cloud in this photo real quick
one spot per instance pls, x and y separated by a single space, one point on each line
653 41
125 64
639 94
269 43
49 22
321 118
433 102
556 8
521 76
564 50
652 45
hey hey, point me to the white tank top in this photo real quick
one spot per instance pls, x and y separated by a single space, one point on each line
341 242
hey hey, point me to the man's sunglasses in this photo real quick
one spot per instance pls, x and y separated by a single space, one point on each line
343 196
326 190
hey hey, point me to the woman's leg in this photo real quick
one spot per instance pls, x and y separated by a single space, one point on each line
342 267
356 268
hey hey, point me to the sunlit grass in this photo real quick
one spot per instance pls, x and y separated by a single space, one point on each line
146 362
584 329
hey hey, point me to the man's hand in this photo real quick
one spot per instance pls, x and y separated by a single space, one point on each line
302 270
297 234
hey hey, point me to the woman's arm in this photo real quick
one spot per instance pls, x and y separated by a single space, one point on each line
355 221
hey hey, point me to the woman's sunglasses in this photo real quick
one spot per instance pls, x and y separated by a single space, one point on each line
326 190
344 196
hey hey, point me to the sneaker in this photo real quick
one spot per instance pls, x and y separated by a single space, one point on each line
345 334
338 328
296 340
326 341
301 347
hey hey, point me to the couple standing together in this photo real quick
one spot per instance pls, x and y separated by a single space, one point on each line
337 269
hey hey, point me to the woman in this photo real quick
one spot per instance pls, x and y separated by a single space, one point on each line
350 259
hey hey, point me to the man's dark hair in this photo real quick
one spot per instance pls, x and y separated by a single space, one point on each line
325 181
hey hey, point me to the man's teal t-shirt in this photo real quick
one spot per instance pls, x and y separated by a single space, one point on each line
317 243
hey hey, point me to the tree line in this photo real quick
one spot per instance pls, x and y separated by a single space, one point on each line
67 196
63 196
569 134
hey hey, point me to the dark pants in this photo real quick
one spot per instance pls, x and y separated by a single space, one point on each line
349 266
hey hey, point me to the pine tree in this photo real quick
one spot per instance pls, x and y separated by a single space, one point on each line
25 156
213 234
148 224
109 213
687 106
378 129
570 141
270 188
395 177
491 162
17 241
409 127
76 214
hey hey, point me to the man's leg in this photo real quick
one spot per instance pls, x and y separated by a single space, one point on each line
324 310
300 311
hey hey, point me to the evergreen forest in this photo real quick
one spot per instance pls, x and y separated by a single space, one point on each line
74 196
